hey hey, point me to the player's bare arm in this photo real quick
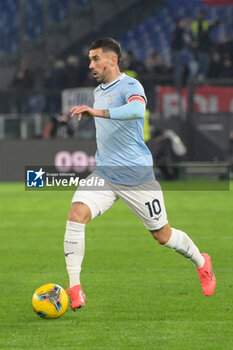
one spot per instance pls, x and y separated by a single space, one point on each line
88 112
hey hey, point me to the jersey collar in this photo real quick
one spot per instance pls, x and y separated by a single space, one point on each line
108 85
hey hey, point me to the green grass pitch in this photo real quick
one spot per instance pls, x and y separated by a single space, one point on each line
139 295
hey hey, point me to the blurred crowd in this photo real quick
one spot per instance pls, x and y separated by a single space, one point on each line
57 74
193 56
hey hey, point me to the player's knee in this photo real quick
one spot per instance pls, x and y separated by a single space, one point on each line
79 212
75 216
163 234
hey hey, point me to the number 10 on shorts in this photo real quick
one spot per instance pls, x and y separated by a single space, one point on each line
154 207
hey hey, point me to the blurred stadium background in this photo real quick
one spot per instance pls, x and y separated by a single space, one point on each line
181 51
139 296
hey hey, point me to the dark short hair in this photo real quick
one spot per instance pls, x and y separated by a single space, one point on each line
107 44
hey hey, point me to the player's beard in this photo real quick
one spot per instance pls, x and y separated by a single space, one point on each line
99 78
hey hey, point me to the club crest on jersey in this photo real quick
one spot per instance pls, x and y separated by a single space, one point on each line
110 96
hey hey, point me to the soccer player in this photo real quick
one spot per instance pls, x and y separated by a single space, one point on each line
125 164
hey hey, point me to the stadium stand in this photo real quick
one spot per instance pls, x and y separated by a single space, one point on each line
9 22
34 19
33 14
154 34
58 10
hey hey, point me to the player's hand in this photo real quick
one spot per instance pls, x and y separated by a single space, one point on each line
83 111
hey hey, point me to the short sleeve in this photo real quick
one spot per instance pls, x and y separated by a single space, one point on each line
133 87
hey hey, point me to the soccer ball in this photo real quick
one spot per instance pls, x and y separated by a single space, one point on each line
50 301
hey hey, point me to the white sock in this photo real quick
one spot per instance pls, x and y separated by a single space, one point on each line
181 243
74 247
